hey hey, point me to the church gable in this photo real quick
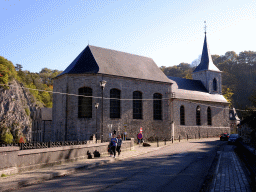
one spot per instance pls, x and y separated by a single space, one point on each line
84 63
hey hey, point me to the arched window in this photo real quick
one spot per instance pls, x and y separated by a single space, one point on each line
115 103
182 115
209 116
214 84
198 116
157 106
85 103
137 105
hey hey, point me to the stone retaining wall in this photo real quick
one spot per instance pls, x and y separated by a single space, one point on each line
14 160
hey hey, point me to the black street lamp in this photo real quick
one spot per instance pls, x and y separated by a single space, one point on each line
102 84
96 107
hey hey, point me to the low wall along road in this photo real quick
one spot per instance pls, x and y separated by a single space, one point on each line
13 160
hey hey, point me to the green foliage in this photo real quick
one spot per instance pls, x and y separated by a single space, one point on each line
3 175
27 111
7 138
227 93
7 71
33 90
19 137
18 67
239 72
41 81
183 70
46 98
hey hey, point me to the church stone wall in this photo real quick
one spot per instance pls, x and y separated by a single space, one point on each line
82 128
219 113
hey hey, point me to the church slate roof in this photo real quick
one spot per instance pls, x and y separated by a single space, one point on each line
189 84
189 89
106 61
206 59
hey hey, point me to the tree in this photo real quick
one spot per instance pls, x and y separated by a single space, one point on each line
231 55
18 67
7 72
6 136
227 93
196 62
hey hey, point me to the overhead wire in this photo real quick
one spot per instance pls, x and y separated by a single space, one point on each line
76 95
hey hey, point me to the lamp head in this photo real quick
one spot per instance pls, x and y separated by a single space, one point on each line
103 83
96 105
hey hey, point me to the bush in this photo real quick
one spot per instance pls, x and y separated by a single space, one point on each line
7 138
3 175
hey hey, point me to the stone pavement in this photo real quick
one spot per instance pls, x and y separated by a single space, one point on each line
229 174
225 173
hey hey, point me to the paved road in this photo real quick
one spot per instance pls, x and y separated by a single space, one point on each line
180 167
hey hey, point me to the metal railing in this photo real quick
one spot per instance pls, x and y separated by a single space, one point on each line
41 145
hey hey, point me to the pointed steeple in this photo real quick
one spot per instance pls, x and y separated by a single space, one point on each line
206 59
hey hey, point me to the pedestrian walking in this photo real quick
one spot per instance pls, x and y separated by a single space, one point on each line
140 137
119 143
113 145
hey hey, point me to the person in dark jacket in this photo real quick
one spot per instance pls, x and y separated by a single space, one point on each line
119 143
113 142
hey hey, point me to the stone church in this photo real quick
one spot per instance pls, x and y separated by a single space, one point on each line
198 108
132 95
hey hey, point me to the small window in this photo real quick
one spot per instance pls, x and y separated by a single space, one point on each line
157 106
182 115
209 116
137 105
85 103
115 103
214 84
198 116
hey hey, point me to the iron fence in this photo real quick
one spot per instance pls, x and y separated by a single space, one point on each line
41 145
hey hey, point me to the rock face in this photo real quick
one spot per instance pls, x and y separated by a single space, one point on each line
16 105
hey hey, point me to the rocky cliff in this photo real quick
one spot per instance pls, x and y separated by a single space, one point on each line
16 105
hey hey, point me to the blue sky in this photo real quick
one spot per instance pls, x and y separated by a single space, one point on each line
51 33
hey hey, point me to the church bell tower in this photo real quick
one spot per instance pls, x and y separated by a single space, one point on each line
207 72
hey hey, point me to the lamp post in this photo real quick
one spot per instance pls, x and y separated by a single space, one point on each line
96 107
102 84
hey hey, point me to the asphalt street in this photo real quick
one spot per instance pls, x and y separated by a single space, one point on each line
181 167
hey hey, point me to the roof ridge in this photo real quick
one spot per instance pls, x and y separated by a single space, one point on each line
119 51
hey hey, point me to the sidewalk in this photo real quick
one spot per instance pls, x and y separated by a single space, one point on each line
40 175
229 174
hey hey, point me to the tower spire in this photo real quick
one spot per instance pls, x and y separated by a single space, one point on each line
205 27
206 58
